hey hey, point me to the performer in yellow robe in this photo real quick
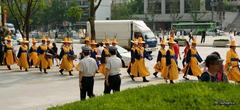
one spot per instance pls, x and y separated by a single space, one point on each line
232 63
132 68
43 61
49 50
67 62
171 72
105 54
23 55
140 54
33 55
94 50
9 55
161 60
192 60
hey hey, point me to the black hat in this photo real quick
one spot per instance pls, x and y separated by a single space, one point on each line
212 58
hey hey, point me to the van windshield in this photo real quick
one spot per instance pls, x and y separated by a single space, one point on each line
148 34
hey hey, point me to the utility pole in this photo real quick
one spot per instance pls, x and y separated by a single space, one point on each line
1 13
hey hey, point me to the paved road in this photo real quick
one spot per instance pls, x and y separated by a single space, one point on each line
33 90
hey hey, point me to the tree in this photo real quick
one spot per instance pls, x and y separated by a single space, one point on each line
194 9
127 10
74 13
93 9
175 10
22 11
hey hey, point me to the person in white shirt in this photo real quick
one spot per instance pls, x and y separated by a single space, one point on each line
112 78
87 69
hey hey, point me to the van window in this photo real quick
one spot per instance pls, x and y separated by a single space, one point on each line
148 34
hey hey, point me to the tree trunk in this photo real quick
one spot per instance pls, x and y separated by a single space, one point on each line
91 20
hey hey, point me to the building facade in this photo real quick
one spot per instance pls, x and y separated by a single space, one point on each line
159 14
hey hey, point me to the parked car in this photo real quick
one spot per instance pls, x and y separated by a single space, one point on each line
126 55
214 33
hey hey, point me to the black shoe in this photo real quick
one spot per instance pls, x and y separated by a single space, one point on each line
155 74
166 81
48 67
45 71
20 68
185 78
171 82
36 66
9 68
145 80
61 71
26 69
70 74
40 69
132 77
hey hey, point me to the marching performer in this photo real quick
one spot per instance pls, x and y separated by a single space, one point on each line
33 55
94 50
161 59
87 43
232 63
171 72
9 55
66 55
50 52
141 68
43 60
132 68
23 55
192 60
104 56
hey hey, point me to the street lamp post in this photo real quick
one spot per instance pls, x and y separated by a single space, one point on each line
212 6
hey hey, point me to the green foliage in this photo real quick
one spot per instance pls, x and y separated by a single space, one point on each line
74 13
182 96
125 11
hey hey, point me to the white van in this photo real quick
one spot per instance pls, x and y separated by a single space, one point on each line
124 30
10 27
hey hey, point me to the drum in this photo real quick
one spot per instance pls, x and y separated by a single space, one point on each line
49 55
72 57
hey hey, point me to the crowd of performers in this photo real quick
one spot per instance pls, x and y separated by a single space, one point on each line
104 58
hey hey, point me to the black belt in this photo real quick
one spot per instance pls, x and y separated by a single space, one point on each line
194 55
163 55
87 76
114 75
234 59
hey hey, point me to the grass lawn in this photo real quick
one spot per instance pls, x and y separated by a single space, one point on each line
184 96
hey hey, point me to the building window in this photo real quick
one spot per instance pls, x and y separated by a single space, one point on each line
192 5
154 6
172 6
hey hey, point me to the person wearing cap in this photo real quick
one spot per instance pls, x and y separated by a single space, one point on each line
50 51
171 68
33 55
66 63
193 59
161 60
23 55
94 51
87 70
114 43
112 78
232 63
132 68
43 61
9 55
221 76
104 56
140 54
87 43
214 64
